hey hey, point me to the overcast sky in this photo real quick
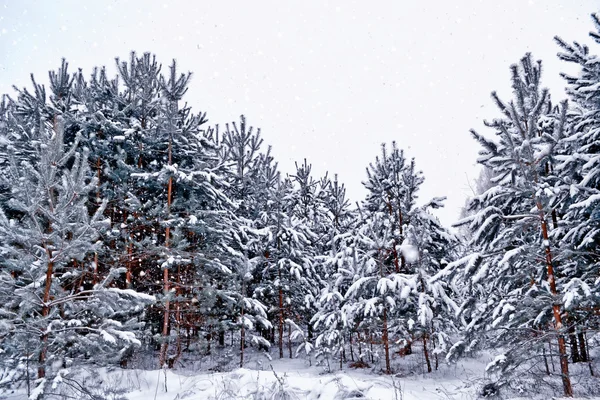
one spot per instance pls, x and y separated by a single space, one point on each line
325 80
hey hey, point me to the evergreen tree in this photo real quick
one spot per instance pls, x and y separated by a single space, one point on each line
336 264
578 167
47 314
510 289
242 152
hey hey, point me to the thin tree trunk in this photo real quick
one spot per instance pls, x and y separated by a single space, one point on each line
280 323
242 338
575 358
165 330
545 361
178 315
351 348
582 347
371 343
360 354
45 312
562 348
551 358
386 344
435 354
95 278
129 262
48 285
587 352
280 314
98 170
290 340
426 353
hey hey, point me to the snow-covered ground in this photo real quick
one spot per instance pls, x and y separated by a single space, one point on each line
298 381
290 379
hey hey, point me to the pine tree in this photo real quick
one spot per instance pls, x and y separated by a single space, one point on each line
385 279
336 266
577 165
510 231
242 151
47 311
433 248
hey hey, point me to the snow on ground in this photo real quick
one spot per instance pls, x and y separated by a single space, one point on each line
293 379
290 379
298 381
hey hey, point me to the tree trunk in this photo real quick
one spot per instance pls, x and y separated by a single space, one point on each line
371 343
582 347
98 169
290 340
178 318
280 309
435 354
545 361
562 348
351 348
426 353
129 262
242 338
551 358
360 353
45 312
165 331
386 344
587 352
575 358
95 278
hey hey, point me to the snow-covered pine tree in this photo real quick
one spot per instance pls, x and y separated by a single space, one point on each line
241 147
309 203
284 280
578 167
385 278
336 264
433 247
184 177
399 249
49 319
512 296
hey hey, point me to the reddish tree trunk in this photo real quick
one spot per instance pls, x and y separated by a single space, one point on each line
562 347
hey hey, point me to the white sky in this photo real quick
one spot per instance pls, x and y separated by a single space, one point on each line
329 81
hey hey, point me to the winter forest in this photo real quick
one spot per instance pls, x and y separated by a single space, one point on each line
139 238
